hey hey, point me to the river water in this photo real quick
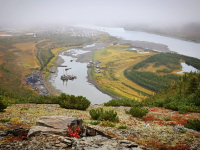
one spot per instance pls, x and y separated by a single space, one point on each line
80 86
187 68
180 46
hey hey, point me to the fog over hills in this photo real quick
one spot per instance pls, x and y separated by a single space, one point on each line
156 13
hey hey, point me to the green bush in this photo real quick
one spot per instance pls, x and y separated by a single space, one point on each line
109 115
96 113
93 122
122 127
73 102
65 101
193 124
24 108
184 108
138 112
182 131
3 104
108 124
4 120
172 106
100 114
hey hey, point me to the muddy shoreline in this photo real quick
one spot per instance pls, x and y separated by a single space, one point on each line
59 61
82 58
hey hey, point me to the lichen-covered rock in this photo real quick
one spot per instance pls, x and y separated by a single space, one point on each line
55 124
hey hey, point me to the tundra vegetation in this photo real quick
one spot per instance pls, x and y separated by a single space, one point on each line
149 117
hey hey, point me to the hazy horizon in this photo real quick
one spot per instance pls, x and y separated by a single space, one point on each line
162 13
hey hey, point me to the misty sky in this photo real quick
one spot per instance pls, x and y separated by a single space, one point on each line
63 12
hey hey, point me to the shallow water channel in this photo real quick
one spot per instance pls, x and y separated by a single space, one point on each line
187 68
79 86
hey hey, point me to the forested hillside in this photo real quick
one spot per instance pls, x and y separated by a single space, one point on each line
183 96
159 71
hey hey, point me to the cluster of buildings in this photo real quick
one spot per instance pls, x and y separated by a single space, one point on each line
96 65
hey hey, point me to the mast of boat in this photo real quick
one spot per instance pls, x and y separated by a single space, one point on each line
66 72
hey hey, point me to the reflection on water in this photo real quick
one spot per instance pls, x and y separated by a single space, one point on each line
79 86
186 68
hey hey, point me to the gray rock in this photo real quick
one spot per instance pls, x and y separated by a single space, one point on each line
90 132
55 125
178 128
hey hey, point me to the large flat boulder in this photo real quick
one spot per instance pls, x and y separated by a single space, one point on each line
55 124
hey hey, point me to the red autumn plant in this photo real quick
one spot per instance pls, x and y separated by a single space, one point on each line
73 132
150 118
21 136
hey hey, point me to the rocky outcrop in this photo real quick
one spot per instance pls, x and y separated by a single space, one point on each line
50 141
55 124
102 143
178 128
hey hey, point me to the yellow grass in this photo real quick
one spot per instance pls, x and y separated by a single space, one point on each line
112 77
27 55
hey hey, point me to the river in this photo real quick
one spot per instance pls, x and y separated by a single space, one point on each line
81 86
180 46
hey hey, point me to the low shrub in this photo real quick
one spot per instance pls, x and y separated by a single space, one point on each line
73 102
4 120
65 101
100 114
109 115
184 108
171 105
93 122
95 113
108 124
182 131
24 108
122 127
3 104
138 112
193 124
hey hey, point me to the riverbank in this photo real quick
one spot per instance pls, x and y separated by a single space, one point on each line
78 55
85 55
94 82
59 62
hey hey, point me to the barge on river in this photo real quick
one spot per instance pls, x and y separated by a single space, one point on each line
66 77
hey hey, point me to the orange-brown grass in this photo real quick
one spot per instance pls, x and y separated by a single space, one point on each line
114 60
27 56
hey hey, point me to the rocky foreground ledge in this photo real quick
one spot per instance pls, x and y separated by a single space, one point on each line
50 132
160 128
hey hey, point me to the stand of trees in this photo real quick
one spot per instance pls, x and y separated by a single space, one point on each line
153 81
